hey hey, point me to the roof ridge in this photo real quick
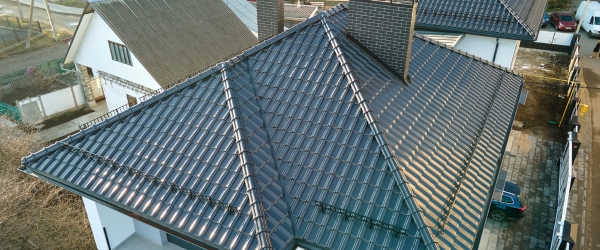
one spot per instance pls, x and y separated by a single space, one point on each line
252 190
464 53
519 19
405 190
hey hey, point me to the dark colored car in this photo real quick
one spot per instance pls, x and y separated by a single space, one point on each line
509 206
545 20
563 21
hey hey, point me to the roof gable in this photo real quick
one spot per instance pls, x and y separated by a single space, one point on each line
514 19
307 140
174 39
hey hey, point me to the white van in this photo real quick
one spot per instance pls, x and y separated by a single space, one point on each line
591 22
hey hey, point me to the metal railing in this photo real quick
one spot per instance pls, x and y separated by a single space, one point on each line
564 186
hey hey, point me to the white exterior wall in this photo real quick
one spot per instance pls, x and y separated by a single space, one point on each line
94 217
485 47
94 52
116 95
149 232
119 227
97 88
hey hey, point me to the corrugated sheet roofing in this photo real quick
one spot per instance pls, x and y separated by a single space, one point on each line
304 140
514 19
175 39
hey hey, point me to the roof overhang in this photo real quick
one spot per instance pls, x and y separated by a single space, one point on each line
474 32
84 21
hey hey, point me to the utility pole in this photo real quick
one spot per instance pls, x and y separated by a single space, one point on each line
51 22
28 43
19 6
582 16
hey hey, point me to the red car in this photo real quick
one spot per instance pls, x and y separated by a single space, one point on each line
563 21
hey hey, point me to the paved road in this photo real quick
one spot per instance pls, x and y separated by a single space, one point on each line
54 7
63 21
591 73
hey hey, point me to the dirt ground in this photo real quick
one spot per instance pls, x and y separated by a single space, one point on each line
546 98
33 57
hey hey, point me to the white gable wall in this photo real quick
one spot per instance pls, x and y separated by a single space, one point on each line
485 47
94 52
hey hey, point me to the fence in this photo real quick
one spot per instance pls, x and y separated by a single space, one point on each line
10 112
564 187
37 109
17 30
28 76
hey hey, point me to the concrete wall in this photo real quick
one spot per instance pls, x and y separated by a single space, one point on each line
116 95
94 52
51 104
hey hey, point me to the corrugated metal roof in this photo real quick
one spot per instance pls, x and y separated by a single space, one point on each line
304 140
514 19
174 39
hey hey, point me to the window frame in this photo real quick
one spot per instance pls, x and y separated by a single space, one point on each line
511 199
119 53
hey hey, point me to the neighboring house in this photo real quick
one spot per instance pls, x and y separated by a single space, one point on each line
293 13
490 29
331 135
126 49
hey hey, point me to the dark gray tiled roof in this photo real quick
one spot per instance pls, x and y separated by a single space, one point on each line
304 139
174 39
514 19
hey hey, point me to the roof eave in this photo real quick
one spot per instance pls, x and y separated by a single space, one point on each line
87 5
488 202
474 32
117 207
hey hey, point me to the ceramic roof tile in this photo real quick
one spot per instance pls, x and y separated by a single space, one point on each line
278 151
513 19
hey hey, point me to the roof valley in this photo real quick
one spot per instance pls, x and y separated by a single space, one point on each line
253 192
408 197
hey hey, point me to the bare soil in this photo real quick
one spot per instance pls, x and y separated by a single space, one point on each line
546 98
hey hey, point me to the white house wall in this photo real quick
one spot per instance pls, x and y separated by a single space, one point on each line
485 47
116 95
119 227
92 213
149 232
93 51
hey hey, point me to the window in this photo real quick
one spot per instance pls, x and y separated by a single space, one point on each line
507 199
596 20
119 53
90 72
566 18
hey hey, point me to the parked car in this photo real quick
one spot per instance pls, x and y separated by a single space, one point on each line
510 206
545 20
563 21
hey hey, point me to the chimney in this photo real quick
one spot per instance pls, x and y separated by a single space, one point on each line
269 17
385 28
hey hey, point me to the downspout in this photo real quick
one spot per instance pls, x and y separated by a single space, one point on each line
496 50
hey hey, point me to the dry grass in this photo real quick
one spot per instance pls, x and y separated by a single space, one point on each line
46 40
33 213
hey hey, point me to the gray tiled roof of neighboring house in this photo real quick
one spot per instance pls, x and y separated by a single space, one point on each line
174 39
305 139
513 19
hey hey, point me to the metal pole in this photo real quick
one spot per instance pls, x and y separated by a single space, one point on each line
51 22
582 16
28 43
19 6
